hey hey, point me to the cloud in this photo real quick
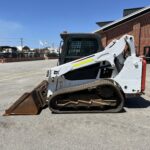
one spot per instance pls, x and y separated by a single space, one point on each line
9 27
10 32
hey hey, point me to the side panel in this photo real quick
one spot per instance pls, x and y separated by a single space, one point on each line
130 76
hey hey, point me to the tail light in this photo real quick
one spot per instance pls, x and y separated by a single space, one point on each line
143 75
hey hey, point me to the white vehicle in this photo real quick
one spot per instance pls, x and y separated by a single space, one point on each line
99 82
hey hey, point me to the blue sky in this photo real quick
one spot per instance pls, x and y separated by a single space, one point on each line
35 20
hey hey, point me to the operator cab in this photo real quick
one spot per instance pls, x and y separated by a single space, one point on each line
77 45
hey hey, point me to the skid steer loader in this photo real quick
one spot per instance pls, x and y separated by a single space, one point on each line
99 82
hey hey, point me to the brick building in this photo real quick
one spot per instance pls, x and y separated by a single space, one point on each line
135 22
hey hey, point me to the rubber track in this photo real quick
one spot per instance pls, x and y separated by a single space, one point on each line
91 85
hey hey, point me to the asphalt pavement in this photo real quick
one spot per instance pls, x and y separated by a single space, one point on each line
129 130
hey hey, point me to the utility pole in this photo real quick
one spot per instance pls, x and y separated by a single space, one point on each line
21 42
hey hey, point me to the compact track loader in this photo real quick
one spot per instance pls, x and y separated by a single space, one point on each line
99 82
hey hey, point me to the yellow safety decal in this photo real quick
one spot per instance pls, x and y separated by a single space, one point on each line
83 62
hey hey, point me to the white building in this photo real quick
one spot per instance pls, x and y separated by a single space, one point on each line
53 50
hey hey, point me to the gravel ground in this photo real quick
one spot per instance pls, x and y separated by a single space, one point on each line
127 130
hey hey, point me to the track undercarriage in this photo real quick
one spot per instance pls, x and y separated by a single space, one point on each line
88 98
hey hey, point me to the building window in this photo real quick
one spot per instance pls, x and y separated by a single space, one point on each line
147 52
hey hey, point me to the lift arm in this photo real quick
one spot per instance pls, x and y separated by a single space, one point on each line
115 48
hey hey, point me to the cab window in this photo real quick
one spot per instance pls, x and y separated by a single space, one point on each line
81 47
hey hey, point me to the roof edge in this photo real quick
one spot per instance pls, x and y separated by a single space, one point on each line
126 17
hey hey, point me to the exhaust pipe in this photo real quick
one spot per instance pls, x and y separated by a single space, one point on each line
30 103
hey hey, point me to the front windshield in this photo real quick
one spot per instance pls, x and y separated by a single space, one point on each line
81 47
